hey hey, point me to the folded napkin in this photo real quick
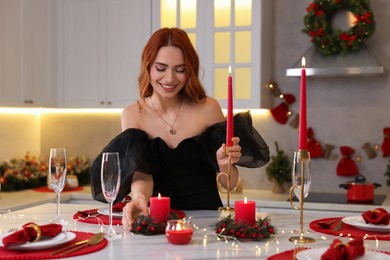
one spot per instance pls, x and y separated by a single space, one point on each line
31 232
376 216
340 251
120 205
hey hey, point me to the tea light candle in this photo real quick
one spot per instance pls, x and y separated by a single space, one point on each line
179 232
245 212
160 208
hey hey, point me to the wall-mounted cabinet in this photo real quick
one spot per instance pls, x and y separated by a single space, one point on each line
28 53
102 45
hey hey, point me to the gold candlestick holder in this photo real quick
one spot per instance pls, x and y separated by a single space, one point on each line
226 191
302 184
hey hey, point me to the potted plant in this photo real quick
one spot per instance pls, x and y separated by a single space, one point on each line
279 170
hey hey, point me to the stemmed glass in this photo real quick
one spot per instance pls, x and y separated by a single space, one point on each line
110 179
57 175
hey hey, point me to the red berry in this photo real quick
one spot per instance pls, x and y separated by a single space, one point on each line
254 235
152 229
232 231
143 223
138 229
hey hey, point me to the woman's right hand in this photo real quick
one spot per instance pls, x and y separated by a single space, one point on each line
133 209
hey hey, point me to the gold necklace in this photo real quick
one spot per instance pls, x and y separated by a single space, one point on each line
173 130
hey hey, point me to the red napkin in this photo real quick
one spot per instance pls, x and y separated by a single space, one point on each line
340 251
377 216
119 207
28 234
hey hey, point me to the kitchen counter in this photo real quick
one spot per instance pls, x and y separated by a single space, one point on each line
266 200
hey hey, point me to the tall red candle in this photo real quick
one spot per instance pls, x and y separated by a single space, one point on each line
160 208
245 212
229 123
302 110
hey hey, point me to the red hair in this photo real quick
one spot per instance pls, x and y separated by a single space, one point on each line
177 38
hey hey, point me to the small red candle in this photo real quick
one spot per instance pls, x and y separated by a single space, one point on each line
179 232
160 208
229 123
245 212
302 110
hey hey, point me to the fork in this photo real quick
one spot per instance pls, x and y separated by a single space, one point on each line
11 230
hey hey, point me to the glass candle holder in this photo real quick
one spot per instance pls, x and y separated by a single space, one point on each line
179 231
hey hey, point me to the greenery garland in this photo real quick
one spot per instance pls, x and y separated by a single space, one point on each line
261 230
148 226
318 25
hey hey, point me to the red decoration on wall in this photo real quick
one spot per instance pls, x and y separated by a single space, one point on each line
314 146
346 166
281 112
386 142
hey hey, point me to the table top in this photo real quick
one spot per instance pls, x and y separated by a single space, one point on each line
204 245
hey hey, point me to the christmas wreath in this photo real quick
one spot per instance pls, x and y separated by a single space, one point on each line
261 230
318 25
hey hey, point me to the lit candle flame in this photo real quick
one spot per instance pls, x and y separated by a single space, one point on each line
230 70
303 62
245 200
178 226
159 196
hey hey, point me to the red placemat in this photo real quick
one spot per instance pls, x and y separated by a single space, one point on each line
286 255
100 219
104 219
45 254
46 189
347 230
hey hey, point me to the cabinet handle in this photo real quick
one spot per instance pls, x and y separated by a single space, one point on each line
101 102
109 102
27 101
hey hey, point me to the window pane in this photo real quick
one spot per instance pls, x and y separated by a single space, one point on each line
168 13
221 83
242 83
192 37
222 13
222 47
243 12
188 13
242 46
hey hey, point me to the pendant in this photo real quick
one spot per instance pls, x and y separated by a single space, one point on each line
172 131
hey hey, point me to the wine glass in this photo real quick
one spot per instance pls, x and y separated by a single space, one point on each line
301 167
110 179
57 175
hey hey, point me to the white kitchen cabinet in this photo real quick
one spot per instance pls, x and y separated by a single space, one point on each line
28 53
101 53
225 33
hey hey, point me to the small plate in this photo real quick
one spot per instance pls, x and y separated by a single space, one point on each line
44 243
106 211
360 223
316 253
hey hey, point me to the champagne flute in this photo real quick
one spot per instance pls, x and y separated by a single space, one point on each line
110 180
57 175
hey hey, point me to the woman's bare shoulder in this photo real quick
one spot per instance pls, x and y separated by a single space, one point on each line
212 109
130 116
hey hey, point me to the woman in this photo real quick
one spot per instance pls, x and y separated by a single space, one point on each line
173 137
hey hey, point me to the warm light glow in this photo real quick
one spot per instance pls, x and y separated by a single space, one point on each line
168 13
178 226
40 110
243 12
188 13
159 196
222 13
303 62
245 200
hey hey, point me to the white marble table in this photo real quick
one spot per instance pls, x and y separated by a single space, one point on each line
131 246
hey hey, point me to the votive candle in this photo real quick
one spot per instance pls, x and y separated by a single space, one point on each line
245 212
160 208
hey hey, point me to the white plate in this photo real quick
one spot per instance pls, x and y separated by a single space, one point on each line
359 222
316 253
106 211
44 243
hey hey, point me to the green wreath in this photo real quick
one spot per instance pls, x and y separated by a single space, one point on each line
318 25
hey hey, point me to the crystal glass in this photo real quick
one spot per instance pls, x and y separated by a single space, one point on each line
301 164
110 180
57 175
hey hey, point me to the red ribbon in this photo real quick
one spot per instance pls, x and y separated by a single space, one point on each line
319 32
364 18
350 39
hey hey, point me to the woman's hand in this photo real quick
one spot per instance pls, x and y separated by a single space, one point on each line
232 152
133 209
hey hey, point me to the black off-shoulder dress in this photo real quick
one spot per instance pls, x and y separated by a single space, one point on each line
186 173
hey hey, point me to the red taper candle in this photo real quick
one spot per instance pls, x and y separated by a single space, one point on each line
229 123
302 110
